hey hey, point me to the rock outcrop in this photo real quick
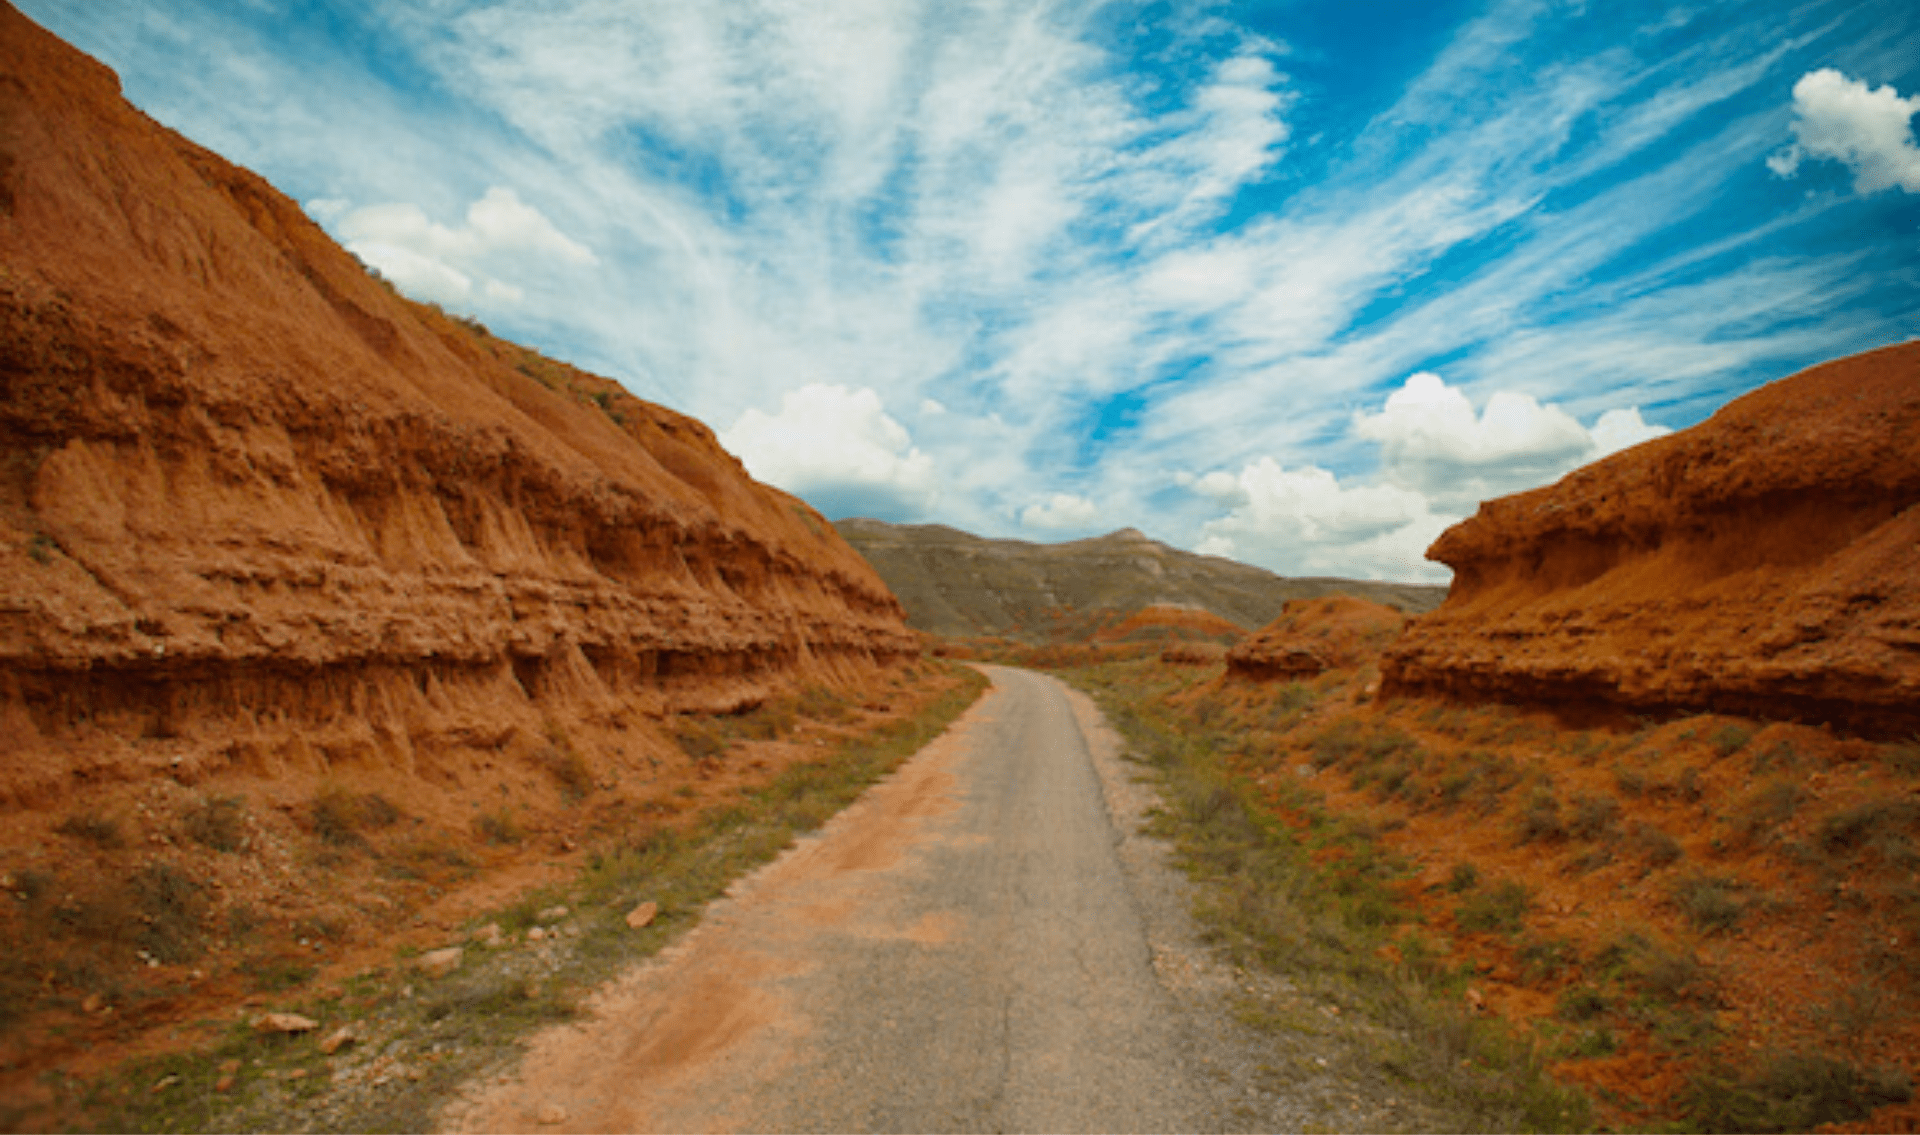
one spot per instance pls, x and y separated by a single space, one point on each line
1315 635
257 511
1765 563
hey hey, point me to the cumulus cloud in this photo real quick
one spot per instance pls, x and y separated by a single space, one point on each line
1868 129
1305 522
1061 511
503 235
1433 442
1438 459
838 448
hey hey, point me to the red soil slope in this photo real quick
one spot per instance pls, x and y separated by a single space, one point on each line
251 497
1314 635
1765 563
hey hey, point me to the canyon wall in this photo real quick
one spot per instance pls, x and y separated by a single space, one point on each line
258 513
1765 563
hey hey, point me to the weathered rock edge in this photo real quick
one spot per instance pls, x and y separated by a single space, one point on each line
1763 563
247 488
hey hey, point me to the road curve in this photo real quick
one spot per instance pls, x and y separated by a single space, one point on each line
960 950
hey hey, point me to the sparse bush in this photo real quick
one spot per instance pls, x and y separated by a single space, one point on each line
1465 877
1767 807
699 740
1782 755
1903 759
1853 827
1497 910
1594 817
1795 1091
1581 1003
1711 903
1688 787
1540 818
216 823
1656 846
1629 781
1731 739
498 828
340 816
561 761
1543 959
101 831
170 907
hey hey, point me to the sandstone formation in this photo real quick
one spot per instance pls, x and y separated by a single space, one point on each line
1315 635
1764 563
259 514
955 583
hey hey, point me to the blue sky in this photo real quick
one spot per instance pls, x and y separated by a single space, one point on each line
1297 282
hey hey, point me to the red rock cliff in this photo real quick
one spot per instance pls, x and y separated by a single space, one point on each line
1765 562
250 497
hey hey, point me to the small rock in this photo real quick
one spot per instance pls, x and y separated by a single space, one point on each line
439 963
164 1083
297 1074
1476 1000
643 914
341 1037
284 1023
551 1114
553 914
224 1083
229 1067
93 1003
488 935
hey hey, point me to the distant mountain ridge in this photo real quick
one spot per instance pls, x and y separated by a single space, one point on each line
955 583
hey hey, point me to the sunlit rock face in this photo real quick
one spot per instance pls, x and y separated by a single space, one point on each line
258 507
1765 562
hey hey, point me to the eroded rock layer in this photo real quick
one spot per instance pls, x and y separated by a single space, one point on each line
249 495
1765 562
1315 635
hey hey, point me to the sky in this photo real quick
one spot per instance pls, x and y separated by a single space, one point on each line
1299 282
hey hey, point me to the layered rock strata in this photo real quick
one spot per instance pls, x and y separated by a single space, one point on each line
1764 563
261 510
1315 635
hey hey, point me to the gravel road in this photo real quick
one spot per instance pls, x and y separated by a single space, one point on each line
982 942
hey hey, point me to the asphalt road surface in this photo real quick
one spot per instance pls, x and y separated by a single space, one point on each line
967 948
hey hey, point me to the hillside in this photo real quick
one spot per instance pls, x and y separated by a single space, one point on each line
957 584
315 602
1765 562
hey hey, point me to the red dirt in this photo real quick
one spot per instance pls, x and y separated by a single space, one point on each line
1765 562
270 531
1162 617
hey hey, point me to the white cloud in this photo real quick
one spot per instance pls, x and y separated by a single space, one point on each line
1433 443
502 235
1061 511
838 448
1304 522
1868 129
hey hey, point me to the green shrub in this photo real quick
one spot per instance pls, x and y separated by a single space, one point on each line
1499 909
1581 1003
215 823
1540 818
1852 827
1712 903
498 827
339 816
1657 847
1594 817
1465 877
1768 806
101 831
1794 1091
1731 739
